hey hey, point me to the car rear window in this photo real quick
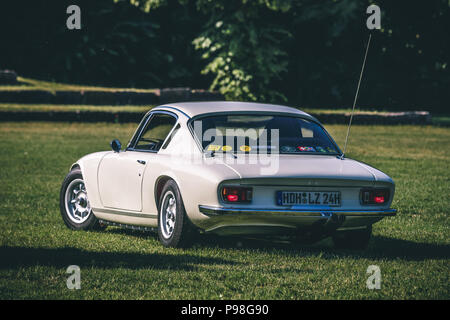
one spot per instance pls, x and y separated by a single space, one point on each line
256 133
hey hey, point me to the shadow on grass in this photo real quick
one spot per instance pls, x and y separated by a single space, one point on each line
13 257
380 247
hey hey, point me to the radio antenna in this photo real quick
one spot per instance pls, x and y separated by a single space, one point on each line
356 97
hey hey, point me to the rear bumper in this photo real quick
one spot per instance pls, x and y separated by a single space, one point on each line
218 211
242 219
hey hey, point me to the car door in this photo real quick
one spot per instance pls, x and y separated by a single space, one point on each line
120 180
120 174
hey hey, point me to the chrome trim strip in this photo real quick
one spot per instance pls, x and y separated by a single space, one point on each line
174 108
143 125
126 213
219 211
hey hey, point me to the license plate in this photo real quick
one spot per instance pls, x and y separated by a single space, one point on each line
306 198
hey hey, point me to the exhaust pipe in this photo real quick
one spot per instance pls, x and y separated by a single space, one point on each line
333 220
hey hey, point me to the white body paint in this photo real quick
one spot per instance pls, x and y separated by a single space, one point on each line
124 191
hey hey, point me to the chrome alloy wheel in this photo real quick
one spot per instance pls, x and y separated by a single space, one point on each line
168 214
77 203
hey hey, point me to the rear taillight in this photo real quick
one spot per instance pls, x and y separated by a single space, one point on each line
374 196
232 194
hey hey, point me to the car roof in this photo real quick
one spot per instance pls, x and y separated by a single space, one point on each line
192 109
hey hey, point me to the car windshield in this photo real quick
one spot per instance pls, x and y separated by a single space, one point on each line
257 133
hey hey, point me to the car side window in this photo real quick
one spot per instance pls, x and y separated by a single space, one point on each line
155 132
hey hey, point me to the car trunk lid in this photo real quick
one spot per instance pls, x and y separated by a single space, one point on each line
303 169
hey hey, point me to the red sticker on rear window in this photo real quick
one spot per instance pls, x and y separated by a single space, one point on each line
306 149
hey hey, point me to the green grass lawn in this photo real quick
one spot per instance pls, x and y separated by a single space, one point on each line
21 107
25 107
441 120
27 84
412 249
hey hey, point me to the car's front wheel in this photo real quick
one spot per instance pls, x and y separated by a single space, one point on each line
353 239
174 228
74 203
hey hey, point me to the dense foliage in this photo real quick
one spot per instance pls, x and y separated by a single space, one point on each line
303 52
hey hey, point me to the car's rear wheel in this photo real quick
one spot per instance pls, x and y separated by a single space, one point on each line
74 203
174 228
353 239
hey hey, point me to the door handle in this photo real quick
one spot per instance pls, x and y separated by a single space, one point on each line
141 161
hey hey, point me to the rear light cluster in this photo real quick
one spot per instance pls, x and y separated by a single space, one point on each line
237 194
374 196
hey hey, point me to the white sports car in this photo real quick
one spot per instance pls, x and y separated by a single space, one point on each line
228 168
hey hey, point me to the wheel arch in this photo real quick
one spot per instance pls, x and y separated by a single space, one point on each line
75 166
88 165
159 185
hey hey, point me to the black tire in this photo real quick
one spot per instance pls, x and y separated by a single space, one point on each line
91 222
183 231
353 239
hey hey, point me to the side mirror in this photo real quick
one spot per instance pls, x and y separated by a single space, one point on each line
116 145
